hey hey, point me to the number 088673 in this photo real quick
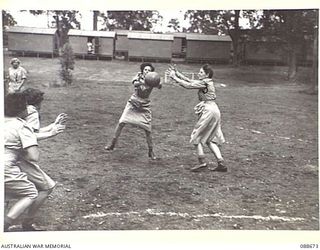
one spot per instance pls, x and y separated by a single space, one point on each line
308 246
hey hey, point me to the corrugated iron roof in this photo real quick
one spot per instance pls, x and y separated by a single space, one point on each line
179 34
32 30
96 33
126 32
202 37
150 36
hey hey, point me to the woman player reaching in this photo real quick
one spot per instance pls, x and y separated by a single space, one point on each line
208 127
44 183
137 111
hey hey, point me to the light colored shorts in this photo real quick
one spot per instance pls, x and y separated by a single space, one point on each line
37 176
17 184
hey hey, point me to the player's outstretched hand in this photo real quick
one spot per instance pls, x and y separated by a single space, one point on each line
57 129
171 73
173 67
61 119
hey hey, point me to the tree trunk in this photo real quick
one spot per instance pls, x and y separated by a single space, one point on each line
95 19
292 64
59 40
235 61
235 39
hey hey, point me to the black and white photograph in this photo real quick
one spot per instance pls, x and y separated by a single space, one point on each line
153 120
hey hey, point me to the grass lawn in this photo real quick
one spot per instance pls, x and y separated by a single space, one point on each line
271 149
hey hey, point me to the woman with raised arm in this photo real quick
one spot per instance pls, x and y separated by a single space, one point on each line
137 111
207 130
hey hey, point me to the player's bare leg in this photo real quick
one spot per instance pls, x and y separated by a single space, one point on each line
16 210
201 158
27 223
217 153
150 146
116 136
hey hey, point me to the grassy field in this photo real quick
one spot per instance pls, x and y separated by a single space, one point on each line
271 149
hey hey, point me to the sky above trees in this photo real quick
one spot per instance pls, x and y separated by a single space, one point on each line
27 19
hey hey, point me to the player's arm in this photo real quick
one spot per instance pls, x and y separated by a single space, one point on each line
23 78
32 154
195 84
192 84
138 81
179 74
29 144
55 130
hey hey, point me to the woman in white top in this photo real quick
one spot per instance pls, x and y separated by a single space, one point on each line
17 76
19 142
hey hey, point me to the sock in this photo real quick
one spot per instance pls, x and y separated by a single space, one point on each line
201 159
220 159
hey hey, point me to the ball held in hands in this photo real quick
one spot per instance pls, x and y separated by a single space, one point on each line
152 79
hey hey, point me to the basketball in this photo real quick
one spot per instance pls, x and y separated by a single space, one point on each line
152 79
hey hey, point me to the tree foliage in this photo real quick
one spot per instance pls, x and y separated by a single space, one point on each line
7 19
130 20
293 28
223 22
64 19
290 26
174 24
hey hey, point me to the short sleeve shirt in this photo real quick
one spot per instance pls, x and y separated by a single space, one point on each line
16 75
33 119
17 134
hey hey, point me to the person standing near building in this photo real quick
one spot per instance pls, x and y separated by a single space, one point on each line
17 76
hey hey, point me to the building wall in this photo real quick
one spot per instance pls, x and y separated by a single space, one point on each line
106 46
31 42
122 43
208 50
177 45
150 48
78 44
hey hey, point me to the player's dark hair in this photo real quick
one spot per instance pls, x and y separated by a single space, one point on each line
33 96
143 65
14 104
208 70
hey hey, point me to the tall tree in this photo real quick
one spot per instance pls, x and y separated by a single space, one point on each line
130 20
219 22
7 19
291 27
95 19
65 20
